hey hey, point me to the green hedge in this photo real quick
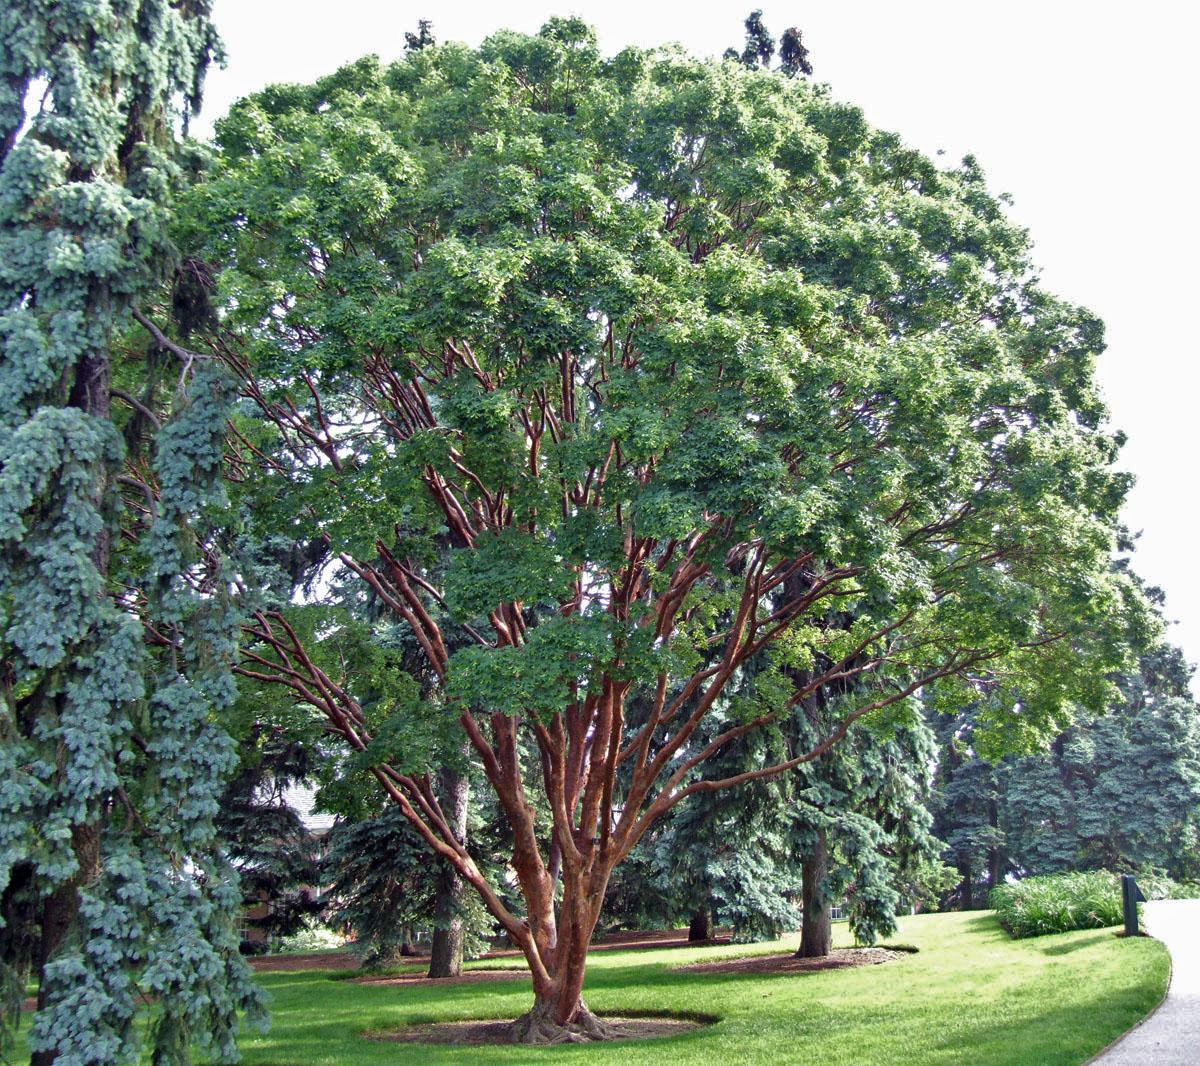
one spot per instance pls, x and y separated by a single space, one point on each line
1059 903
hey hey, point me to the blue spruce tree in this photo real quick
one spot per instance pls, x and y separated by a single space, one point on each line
117 625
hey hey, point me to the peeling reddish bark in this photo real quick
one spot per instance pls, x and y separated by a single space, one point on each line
581 748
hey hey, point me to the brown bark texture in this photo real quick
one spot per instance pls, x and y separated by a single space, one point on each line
60 912
701 926
816 930
966 887
90 392
605 780
446 955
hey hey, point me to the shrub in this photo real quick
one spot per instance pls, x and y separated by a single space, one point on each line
1058 903
313 937
1157 885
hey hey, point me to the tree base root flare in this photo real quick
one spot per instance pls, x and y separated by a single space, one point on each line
539 1026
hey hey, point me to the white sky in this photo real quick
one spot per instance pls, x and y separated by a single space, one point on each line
1084 112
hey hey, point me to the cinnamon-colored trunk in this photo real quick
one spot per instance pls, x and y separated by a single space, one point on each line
559 1013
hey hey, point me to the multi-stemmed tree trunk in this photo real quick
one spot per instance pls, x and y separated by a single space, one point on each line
639 416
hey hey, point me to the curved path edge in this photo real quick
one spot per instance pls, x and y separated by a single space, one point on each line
1170 1034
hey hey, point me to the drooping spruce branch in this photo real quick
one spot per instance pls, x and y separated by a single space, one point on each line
116 628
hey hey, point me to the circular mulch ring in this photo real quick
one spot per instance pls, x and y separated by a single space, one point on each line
788 963
500 1032
467 977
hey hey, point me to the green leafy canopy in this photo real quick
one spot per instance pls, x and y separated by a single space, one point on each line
785 326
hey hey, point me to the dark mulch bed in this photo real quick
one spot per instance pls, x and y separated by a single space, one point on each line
478 1033
623 941
650 938
468 977
788 963
341 960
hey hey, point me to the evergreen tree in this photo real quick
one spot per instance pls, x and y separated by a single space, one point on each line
365 653
852 824
722 857
861 825
275 853
967 809
423 38
116 624
1118 791
382 886
793 56
760 48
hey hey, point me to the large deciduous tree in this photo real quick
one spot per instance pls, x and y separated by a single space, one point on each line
116 629
611 377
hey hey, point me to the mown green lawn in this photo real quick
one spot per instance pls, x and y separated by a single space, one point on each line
970 996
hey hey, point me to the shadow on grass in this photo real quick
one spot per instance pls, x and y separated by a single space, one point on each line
699 1017
984 921
1076 945
337 1032
931 1009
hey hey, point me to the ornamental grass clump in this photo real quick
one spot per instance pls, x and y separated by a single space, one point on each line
1058 903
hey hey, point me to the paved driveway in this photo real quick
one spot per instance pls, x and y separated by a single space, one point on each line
1171 1035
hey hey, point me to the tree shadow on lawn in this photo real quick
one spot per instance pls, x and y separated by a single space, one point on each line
348 1006
341 1030
1030 1028
985 922
1098 937
607 989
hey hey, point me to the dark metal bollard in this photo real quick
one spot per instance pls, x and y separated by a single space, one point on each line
1131 896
